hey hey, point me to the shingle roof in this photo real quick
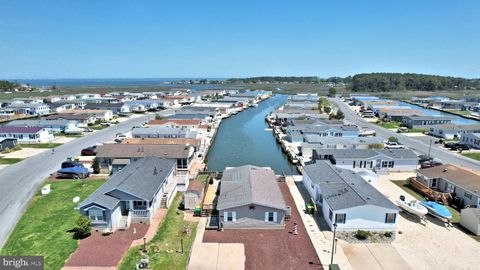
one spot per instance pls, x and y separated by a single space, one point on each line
461 177
143 150
458 127
344 189
39 123
250 185
188 116
183 141
368 153
315 138
141 179
70 116
175 121
6 129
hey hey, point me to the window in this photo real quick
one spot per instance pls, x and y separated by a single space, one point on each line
330 214
434 182
340 218
95 215
270 217
354 163
390 217
468 195
229 217
139 203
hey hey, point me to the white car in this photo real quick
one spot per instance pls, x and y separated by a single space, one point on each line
394 145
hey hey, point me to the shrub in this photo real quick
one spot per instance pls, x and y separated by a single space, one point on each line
362 235
96 166
83 227
388 234
375 146
393 139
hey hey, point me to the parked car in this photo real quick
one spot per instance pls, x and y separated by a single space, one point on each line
106 124
69 164
402 129
89 151
394 145
87 129
460 147
449 145
424 158
429 164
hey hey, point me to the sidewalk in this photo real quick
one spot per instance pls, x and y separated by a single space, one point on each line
322 240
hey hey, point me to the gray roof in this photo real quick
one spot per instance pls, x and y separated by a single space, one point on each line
427 117
344 189
368 153
161 130
144 150
317 139
40 123
141 179
250 185
456 127
188 116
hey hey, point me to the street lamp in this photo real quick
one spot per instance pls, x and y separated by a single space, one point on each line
333 241
430 147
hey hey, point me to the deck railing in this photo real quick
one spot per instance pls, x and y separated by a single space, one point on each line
140 213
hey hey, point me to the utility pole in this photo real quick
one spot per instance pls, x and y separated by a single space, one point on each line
430 147
333 241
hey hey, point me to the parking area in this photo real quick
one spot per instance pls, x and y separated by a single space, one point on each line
273 249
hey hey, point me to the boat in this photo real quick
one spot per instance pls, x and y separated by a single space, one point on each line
437 210
413 207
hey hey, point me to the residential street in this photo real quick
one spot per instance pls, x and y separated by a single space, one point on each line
416 145
20 181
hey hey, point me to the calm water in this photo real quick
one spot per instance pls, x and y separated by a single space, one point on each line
455 119
242 139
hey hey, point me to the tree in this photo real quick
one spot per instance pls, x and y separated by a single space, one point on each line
332 92
159 117
340 114
393 139
83 227
96 166
327 109
321 103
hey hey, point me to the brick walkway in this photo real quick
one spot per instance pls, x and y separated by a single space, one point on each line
152 229
105 251
273 249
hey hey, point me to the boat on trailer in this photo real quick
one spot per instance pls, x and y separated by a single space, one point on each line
413 207
438 210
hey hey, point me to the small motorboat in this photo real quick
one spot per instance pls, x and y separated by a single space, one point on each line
413 207
438 210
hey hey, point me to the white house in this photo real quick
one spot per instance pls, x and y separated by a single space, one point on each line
471 139
347 200
453 131
26 134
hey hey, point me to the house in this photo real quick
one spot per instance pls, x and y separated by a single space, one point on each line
195 143
297 133
308 97
176 123
316 142
471 139
82 119
347 200
194 194
163 132
183 154
210 111
30 108
424 121
116 108
61 107
462 184
132 195
6 144
55 126
301 105
118 164
149 105
452 131
103 115
470 219
26 134
205 118
250 198
370 159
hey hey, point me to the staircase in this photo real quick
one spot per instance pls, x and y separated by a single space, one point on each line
123 223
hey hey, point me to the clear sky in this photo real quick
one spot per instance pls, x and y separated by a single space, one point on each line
201 38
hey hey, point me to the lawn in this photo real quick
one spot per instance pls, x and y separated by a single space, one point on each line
203 178
9 161
40 145
472 155
388 125
405 185
164 249
98 127
43 229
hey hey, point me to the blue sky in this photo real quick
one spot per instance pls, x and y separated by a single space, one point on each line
154 39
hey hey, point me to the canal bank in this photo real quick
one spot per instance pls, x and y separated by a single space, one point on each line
245 138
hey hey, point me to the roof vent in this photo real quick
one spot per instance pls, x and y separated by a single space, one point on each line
155 171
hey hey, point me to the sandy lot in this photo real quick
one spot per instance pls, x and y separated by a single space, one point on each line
62 139
432 246
25 153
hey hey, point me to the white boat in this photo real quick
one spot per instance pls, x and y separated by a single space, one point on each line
413 207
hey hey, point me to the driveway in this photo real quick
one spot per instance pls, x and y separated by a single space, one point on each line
373 257
20 181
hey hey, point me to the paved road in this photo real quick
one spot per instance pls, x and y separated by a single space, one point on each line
417 145
19 182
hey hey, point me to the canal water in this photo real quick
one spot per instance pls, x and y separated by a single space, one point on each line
243 139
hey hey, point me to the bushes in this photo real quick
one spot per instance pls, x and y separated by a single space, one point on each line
393 139
83 227
362 235
96 166
388 234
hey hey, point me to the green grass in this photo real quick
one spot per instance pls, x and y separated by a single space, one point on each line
98 127
43 229
472 155
388 125
9 161
203 178
460 112
405 185
41 145
164 249
417 130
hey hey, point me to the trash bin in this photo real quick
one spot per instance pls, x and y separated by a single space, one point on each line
309 208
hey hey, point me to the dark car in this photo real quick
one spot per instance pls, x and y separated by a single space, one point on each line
449 145
460 147
75 172
429 164
424 158
69 164
89 151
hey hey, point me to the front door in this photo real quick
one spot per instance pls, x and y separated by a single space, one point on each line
478 203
